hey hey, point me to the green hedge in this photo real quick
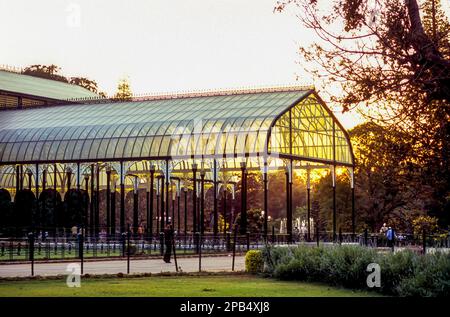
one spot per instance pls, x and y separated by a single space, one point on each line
254 262
402 273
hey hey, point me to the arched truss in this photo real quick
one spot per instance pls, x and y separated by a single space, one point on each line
230 128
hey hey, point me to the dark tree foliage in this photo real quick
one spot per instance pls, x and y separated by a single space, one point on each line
24 211
389 182
255 220
392 56
6 211
85 83
45 71
75 202
323 199
50 209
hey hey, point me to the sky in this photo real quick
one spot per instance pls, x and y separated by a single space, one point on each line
160 45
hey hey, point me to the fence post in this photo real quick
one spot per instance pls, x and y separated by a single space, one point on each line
123 243
228 242
424 242
248 240
234 247
11 249
317 235
31 250
81 249
340 235
196 241
200 252
128 249
366 237
273 234
174 252
161 243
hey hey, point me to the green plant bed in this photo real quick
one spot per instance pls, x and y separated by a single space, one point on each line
403 273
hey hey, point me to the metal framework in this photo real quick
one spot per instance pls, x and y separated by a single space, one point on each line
181 140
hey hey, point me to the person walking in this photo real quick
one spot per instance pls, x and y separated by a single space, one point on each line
168 238
390 235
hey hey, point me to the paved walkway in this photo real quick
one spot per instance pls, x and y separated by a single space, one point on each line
211 264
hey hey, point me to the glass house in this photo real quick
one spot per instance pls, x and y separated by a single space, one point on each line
169 144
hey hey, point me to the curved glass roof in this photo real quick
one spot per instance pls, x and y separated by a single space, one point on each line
293 123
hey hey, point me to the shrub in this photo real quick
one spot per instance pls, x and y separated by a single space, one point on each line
394 268
431 277
346 265
403 273
273 257
335 265
254 261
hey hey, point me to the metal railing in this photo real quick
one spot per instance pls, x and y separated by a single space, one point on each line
66 247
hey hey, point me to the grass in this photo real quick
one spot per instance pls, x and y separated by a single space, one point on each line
177 286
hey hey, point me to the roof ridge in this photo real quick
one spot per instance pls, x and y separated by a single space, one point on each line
198 93
182 94
223 92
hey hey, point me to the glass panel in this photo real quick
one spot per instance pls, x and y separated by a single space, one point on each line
165 146
86 149
45 150
69 150
146 144
77 151
137 147
61 150
312 134
53 150
119 148
102 148
37 150
94 149
111 148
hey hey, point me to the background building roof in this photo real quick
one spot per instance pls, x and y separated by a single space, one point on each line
40 87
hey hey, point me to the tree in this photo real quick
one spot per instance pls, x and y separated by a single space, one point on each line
45 71
386 55
381 52
322 197
255 220
389 185
123 90
74 208
50 208
425 223
6 212
24 211
85 83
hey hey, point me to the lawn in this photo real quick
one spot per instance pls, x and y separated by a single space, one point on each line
169 286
